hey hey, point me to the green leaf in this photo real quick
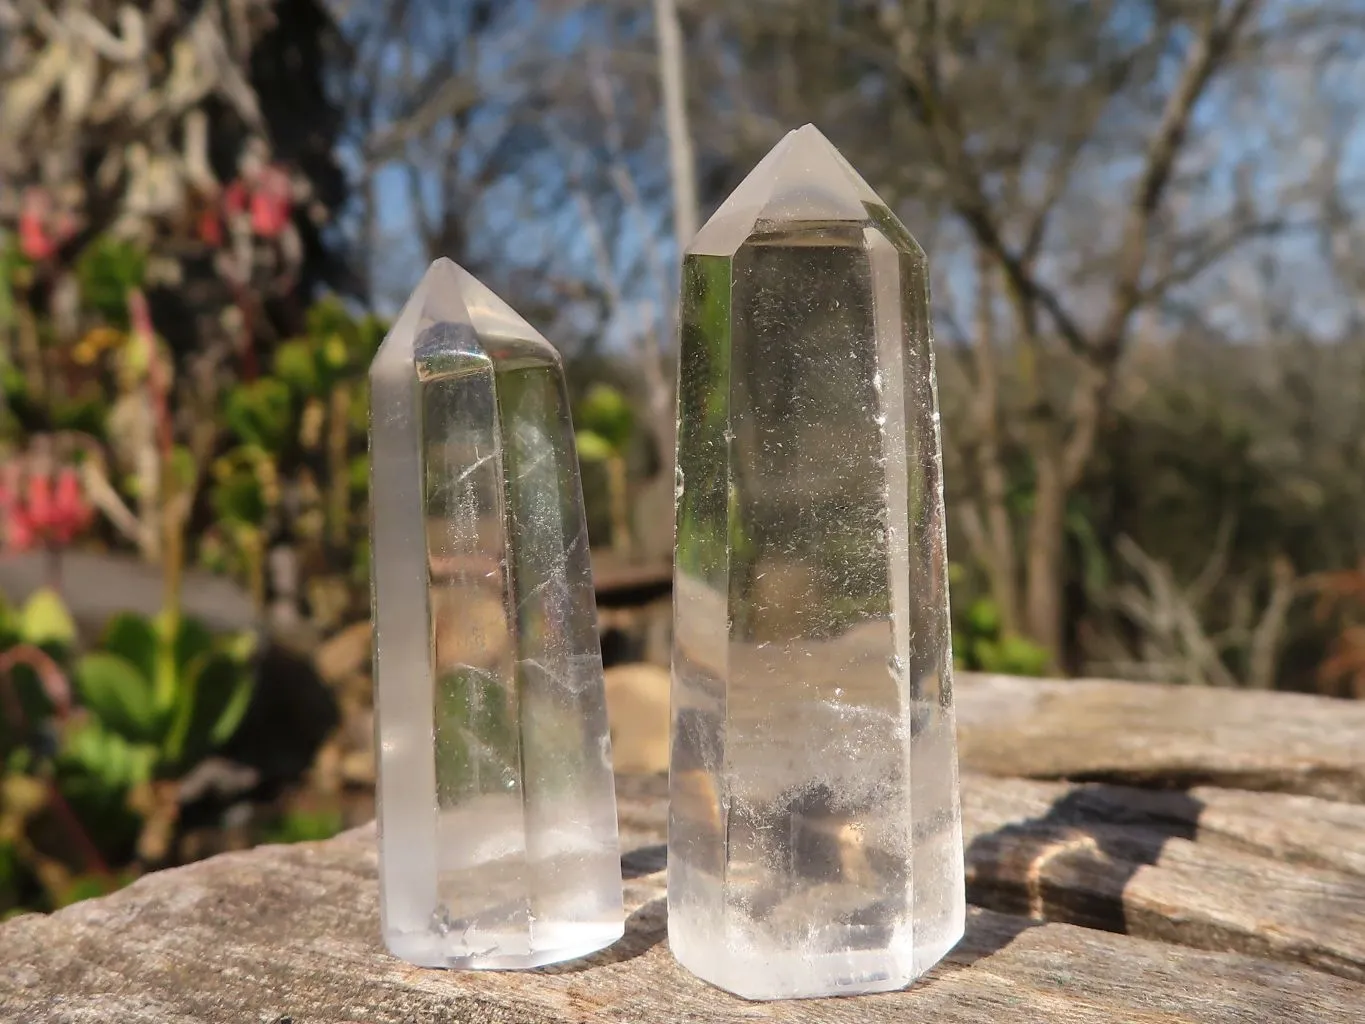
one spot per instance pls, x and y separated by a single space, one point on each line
108 269
605 411
304 827
592 446
85 413
133 638
95 760
232 709
360 564
296 365
238 496
359 473
118 694
334 354
9 624
184 468
261 413
369 336
329 316
241 647
1022 657
358 415
44 619
984 617
6 303
210 704
87 887
192 642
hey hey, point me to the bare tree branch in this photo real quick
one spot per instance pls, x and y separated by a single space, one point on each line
682 161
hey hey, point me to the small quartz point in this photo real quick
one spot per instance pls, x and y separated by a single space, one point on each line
497 815
815 841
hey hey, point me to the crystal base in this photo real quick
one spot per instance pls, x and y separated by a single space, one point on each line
549 944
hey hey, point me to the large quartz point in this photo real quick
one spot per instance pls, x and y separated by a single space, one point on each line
497 815
815 844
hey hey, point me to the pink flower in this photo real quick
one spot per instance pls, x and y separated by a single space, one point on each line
46 511
19 532
270 202
35 241
71 513
39 499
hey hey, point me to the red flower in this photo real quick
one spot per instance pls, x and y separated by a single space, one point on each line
34 240
270 202
40 498
19 532
71 513
46 512
211 228
140 314
235 198
41 229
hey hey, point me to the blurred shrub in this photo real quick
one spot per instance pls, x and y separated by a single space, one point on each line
981 644
86 739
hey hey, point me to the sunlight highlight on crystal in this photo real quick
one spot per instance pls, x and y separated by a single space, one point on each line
815 843
497 814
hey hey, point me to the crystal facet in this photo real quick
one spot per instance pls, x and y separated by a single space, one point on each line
497 815
815 843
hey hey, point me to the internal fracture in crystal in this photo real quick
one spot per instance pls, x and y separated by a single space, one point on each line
815 843
497 814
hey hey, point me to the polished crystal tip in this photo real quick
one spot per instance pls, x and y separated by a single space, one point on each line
497 814
815 843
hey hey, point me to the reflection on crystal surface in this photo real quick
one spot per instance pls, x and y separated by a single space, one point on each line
815 844
497 814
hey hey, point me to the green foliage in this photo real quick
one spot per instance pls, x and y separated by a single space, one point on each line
360 565
103 763
120 695
166 686
14 266
297 366
261 413
299 826
981 644
592 446
84 412
359 474
107 270
12 382
44 620
336 347
605 423
87 887
240 491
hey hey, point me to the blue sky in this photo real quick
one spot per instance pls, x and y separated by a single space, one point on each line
519 220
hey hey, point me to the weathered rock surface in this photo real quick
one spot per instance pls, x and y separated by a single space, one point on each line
1095 902
1167 736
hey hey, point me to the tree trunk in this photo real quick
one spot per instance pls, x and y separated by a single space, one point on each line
673 85
1001 561
1044 562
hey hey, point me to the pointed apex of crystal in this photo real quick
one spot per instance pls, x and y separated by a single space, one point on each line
489 315
449 296
437 299
803 179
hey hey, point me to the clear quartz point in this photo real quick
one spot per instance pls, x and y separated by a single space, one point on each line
497 814
815 842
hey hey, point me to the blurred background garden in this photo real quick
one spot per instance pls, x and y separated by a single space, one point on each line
1146 220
